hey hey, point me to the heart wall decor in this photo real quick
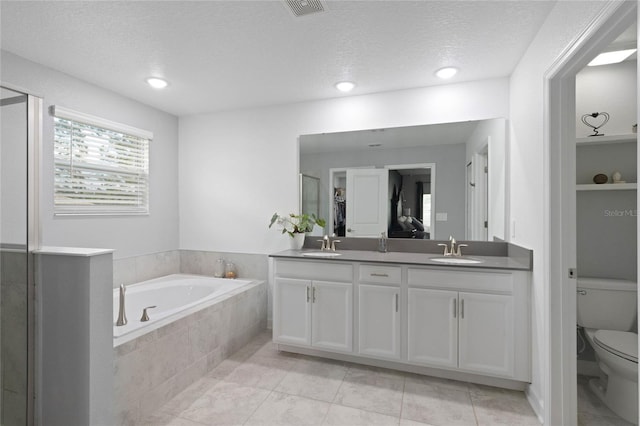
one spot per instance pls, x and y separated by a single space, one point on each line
595 116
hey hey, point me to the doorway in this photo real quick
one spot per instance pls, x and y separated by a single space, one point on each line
560 232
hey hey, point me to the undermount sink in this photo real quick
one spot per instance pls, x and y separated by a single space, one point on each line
321 254
456 260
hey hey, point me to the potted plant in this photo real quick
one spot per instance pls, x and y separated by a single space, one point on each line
296 226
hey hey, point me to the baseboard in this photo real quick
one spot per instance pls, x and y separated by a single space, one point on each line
536 403
410 368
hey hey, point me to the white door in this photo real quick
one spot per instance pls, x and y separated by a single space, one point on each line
486 333
367 202
379 321
332 313
292 311
433 327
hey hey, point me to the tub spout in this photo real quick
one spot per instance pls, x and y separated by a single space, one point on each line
122 316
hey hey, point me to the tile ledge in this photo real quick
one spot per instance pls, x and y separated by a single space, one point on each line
72 251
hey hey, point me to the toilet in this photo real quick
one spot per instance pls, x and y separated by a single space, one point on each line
607 310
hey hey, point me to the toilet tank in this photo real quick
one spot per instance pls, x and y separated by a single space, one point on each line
607 304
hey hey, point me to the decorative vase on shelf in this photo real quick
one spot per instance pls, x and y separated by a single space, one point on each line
297 241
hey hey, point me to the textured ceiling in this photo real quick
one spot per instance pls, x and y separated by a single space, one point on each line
221 55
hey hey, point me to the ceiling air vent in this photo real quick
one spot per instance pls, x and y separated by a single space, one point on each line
305 7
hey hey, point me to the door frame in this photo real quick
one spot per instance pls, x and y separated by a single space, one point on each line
432 167
560 365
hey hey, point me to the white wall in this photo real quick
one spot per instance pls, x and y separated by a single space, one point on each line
606 89
564 24
128 235
237 168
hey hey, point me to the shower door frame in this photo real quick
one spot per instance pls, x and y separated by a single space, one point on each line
34 153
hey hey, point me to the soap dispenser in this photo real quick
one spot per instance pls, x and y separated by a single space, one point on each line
382 243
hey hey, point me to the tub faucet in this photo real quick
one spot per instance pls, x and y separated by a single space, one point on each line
122 316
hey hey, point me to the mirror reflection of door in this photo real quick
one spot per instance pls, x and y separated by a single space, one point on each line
477 195
366 209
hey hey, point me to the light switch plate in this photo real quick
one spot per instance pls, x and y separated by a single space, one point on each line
441 217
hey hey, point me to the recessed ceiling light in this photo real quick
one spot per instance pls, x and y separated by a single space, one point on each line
345 86
611 57
446 72
157 83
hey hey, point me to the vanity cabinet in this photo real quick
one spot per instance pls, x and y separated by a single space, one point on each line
471 322
432 334
379 311
470 331
466 321
310 311
486 342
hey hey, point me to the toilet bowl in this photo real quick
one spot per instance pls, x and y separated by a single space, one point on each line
607 311
617 355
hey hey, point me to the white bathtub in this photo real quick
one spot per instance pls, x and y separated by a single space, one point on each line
175 296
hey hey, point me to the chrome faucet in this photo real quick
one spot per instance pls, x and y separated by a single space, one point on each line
453 251
328 244
122 316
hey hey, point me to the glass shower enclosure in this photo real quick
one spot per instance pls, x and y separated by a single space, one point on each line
19 130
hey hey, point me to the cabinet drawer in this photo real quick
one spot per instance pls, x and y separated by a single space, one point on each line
380 274
494 281
327 271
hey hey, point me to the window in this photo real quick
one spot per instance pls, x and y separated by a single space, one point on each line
101 167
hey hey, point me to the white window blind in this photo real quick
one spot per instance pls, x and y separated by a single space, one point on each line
101 167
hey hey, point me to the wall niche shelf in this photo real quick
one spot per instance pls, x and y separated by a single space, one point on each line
607 139
607 187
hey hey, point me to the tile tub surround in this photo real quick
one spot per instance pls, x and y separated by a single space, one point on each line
258 385
153 368
131 270
136 269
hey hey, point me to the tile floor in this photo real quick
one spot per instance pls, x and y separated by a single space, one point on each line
260 386
592 411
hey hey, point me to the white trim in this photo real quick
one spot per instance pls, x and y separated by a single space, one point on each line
559 363
81 117
537 404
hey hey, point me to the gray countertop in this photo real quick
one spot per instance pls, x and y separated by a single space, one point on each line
521 263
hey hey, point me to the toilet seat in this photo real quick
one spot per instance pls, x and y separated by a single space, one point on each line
621 343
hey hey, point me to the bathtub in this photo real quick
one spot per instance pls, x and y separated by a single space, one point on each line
175 296
199 321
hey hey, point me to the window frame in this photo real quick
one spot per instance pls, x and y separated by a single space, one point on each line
124 172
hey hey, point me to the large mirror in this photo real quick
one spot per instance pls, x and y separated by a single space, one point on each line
423 182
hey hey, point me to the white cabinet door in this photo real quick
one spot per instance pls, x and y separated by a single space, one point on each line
332 316
379 321
486 340
292 311
433 327
367 202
